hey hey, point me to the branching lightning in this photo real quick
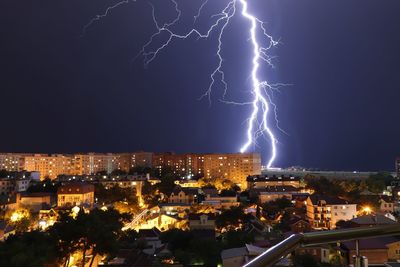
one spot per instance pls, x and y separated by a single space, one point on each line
262 91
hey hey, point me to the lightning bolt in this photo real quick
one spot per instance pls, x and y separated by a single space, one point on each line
261 91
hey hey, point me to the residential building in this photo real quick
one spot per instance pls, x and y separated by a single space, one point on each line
377 250
299 225
319 253
162 222
187 183
262 181
235 167
14 162
325 211
7 187
237 257
184 195
36 201
386 204
371 220
75 194
187 165
201 221
93 163
272 193
49 166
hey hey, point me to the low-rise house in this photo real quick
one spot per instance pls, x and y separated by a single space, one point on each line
152 239
162 222
323 212
218 201
272 193
187 183
36 201
386 204
130 258
75 194
375 249
8 203
262 181
237 257
234 257
319 253
173 208
201 221
188 195
371 220
299 225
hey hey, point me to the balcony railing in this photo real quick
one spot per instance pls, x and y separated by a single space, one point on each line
280 250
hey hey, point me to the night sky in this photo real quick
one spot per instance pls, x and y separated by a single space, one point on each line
64 93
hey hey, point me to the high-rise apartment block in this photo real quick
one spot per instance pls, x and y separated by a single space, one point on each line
235 167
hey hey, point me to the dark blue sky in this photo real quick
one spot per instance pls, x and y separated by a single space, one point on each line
64 93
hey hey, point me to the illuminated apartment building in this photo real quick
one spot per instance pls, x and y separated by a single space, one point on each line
187 165
93 163
13 161
49 165
235 167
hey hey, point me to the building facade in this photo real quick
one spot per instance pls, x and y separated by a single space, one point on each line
323 212
75 194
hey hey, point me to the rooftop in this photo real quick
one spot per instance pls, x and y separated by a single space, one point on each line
273 178
328 199
377 219
75 188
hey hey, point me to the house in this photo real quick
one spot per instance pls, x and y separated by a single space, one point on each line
75 194
188 195
262 181
162 222
173 208
187 183
323 212
234 257
272 193
152 239
129 258
386 204
299 225
219 201
201 221
372 219
237 257
6 230
36 201
375 249
319 253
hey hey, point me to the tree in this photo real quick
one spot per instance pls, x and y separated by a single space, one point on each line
234 239
115 194
97 231
142 170
36 249
47 186
232 218
168 178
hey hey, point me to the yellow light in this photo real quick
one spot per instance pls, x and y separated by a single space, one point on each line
15 217
367 210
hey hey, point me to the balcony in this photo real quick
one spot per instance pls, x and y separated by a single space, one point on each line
280 250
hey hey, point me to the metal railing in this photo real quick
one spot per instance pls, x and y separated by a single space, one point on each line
280 250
